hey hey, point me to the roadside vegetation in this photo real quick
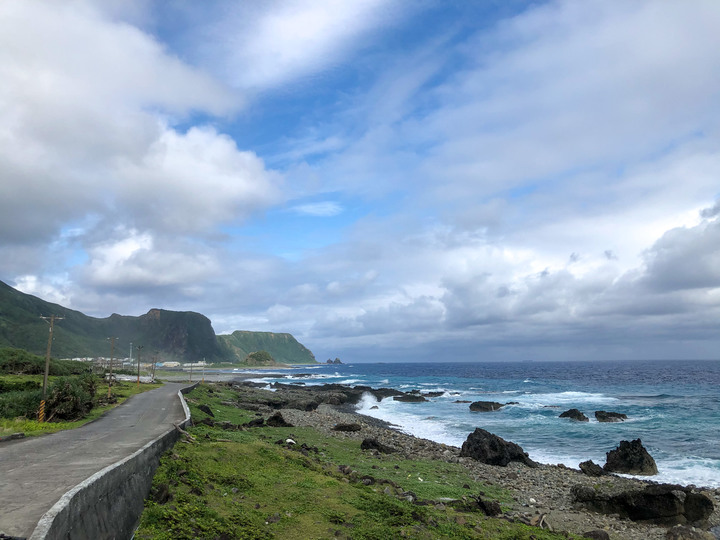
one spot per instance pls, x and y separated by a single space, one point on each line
75 395
225 482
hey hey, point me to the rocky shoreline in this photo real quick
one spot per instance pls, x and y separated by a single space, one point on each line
550 496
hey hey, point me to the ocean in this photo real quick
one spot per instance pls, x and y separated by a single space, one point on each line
672 406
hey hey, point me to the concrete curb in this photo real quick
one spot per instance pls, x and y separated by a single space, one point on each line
108 504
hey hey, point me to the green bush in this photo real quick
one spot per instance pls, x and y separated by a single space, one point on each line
18 386
70 398
20 362
17 404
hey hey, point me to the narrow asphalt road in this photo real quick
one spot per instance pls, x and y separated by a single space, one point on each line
36 472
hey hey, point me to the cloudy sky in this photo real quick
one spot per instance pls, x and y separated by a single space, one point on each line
384 179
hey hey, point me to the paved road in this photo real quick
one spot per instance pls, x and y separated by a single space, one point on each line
36 472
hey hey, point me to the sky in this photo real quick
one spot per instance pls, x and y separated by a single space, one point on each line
387 180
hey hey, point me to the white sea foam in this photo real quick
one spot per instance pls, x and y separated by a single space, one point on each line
396 413
566 398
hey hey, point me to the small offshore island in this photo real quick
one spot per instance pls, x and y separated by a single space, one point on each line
426 489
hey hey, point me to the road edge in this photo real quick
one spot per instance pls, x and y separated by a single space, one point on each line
70 516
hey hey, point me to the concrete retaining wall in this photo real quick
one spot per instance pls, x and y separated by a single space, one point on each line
109 503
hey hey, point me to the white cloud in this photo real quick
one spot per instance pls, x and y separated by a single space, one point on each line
135 260
191 182
319 209
271 44
87 141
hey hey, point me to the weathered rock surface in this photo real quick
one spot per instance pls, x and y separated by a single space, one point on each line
592 469
410 398
662 504
688 533
206 410
373 444
277 420
631 458
575 414
605 416
488 448
354 426
597 534
485 406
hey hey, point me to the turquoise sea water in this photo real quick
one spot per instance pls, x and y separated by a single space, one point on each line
672 406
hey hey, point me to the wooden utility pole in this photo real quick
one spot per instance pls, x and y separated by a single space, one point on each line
154 363
139 349
52 319
112 353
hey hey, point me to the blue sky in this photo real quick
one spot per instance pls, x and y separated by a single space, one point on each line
386 180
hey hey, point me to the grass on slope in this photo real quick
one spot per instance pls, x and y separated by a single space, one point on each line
229 484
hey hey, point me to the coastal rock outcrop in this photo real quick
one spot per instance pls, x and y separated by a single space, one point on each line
410 398
597 534
207 410
661 504
353 426
680 532
605 416
631 458
575 414
592 469
374 444
277 420
488 448
485 406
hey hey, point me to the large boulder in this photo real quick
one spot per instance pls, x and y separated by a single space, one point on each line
631 458
277 420
605 416
488 448
592 469
377 446
575 414
661 504
485 406
410 398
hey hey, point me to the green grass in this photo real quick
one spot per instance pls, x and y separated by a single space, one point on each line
120 391
241 484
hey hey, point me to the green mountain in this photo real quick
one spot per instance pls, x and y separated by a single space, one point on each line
284 348
171 335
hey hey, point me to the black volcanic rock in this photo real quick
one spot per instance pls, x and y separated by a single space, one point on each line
605 416
410 398
662 504
488 448
206 410
347 427
373 444
592 469
631 458
277 420
485 406
575 414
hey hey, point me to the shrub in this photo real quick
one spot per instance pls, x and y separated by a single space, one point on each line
70 398
20 362
16 404
18 386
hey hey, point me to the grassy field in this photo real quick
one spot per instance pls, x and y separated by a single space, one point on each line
247 484
120 392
